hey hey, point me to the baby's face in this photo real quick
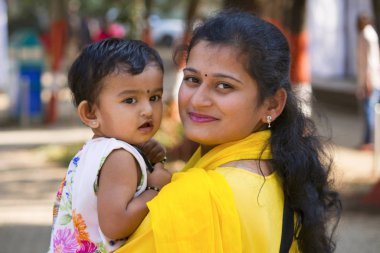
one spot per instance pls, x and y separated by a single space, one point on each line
130 106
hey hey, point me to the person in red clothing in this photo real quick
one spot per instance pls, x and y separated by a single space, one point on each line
103 32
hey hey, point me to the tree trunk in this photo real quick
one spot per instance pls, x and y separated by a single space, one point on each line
147 31
295 23
58 32
58 39
190 17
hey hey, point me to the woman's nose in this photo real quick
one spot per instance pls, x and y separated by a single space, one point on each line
201 97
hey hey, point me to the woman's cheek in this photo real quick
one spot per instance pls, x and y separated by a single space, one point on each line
183 97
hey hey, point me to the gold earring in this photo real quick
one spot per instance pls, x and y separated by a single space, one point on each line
269 120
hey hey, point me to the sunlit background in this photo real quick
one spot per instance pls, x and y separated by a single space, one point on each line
39 129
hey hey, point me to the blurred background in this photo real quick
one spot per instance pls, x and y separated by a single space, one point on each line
39 129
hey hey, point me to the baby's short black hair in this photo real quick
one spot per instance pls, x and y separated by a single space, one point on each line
103 58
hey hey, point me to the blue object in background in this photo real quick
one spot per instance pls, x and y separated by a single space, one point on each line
32 75
28 53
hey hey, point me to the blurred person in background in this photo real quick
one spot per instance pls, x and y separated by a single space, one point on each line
368 76
103 30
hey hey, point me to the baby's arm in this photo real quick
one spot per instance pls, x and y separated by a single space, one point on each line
119 212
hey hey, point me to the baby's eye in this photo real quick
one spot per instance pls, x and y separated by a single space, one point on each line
155 98
130 101
224 86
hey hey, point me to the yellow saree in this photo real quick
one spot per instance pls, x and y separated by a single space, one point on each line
197 212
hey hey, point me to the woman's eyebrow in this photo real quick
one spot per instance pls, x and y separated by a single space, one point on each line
227 76
220 75
190 69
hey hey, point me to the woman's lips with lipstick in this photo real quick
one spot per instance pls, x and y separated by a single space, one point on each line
201 118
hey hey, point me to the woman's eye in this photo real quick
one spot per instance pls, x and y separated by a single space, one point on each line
224 86
155 98
191 79
130 101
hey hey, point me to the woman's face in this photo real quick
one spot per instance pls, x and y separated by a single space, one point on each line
218 99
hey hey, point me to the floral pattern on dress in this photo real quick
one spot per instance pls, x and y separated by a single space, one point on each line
86 246
58 197
74 229
65 241
80 227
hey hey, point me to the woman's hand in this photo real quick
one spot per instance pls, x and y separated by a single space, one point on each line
154 151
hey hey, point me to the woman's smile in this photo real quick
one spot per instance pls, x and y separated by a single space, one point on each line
201 118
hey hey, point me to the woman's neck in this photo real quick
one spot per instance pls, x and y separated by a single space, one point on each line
206 148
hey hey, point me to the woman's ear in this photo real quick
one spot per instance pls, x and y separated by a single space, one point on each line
87 114
275 105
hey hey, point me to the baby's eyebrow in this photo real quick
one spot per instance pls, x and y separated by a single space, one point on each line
137 91
128 92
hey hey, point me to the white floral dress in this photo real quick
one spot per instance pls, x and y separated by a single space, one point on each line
75 225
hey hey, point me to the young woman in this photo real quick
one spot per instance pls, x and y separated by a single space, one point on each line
259 181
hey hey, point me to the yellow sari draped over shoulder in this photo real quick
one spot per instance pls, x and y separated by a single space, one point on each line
196 211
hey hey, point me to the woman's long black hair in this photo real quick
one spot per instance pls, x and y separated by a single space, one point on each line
299 156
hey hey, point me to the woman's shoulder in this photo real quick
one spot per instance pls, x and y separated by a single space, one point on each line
248 176
259 167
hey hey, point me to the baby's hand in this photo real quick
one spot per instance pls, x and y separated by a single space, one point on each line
159 177
154 151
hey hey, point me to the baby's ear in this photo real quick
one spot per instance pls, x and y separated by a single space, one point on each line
87 114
